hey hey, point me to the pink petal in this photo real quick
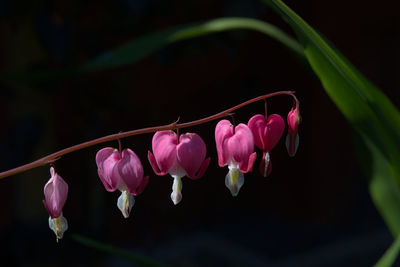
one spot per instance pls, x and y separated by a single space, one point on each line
107 186
191 152
223 131
141 186
241 147
106 160
55 193
292 139
154 164
256 125
293 120
267 132
130 170
202 169
246 167
164 149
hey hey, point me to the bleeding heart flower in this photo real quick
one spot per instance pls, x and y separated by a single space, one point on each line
55 194
122 171
235 147
267 133
292 139
185 156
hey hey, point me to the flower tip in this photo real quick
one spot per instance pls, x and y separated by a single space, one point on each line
266 165
59 225
234 190
125 203
176 197
234 180
292 144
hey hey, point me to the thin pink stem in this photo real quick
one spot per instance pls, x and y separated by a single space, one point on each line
55 156
120 145
266 108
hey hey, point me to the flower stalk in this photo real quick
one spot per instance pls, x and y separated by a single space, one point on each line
172 126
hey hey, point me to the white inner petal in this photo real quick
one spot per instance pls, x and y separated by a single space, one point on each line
267 158
125 203
176 195
59 225
177 170
234 180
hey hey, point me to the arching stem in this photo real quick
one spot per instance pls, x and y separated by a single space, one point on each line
173 126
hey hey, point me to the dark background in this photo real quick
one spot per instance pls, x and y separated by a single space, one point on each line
314 210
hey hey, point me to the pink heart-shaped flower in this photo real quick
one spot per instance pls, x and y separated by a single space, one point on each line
266 132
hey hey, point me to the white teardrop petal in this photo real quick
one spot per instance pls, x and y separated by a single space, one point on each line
176 195
125 203
234 180
59 225
267 158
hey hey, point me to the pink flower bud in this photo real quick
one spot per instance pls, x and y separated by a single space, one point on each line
267 133
55 195
186 157
292 139
235 147
122 171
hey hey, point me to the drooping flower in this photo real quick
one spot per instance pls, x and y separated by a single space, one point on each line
292 138
235 147
122 171
55 194
267 133
178 156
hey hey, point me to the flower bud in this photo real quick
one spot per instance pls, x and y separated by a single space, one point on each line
292 138
55 194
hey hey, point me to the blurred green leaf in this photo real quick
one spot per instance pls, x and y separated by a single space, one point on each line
368 110
390 255
382 187
137 49
381 183
124 254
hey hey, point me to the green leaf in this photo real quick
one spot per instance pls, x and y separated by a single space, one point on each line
384 192
129 256
368 110
137 49
390 255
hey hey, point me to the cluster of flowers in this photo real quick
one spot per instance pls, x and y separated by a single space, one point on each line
179 156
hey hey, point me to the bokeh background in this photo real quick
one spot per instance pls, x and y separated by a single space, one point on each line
314 209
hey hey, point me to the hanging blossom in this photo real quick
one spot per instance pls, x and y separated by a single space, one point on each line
55 194
179 156
292 138
122 171
235 147
266 132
